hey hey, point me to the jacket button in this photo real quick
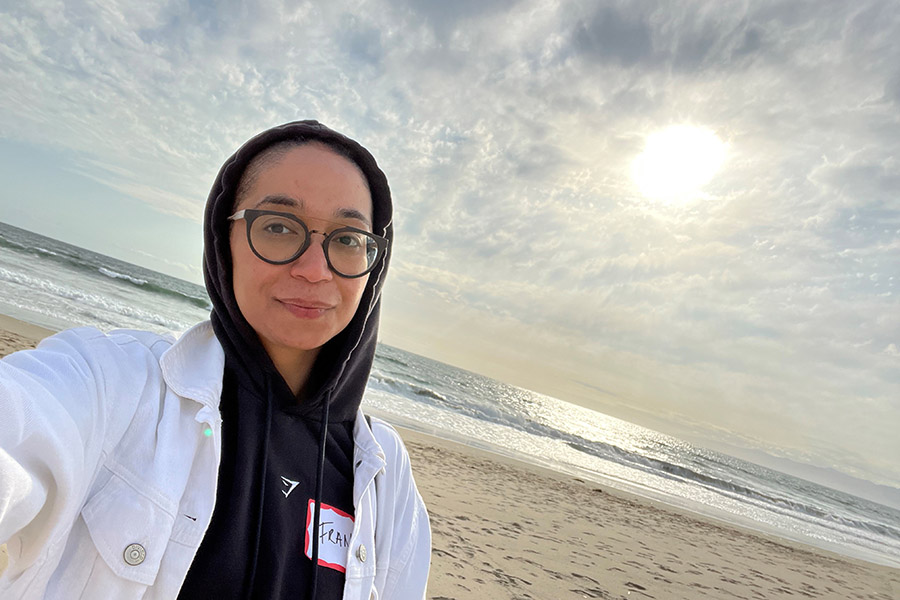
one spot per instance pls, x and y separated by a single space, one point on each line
135 554
361 553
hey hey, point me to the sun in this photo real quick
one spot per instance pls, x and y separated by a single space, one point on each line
677 162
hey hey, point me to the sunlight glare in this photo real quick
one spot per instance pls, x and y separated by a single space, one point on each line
677 162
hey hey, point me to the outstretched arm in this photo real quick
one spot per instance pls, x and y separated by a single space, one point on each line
56 424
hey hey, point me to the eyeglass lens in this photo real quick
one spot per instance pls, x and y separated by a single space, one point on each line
278 239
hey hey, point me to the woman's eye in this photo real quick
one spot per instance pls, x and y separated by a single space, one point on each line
349 240
278 229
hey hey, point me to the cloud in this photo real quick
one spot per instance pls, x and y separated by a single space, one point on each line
361 42
610 36
699 39
445 17
864 181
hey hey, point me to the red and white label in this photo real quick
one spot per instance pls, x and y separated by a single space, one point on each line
335 529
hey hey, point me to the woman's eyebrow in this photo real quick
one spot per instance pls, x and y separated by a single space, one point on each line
351 213
281 201
341 213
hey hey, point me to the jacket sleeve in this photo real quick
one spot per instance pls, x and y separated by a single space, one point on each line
410 544
55 427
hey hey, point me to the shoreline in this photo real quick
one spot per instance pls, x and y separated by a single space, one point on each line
506 528
24 328
555 536
685 508
606 487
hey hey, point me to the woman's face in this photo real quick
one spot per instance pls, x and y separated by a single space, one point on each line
297 307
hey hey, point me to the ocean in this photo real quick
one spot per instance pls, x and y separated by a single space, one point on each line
57 285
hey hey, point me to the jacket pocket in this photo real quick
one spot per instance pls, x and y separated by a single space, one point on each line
129 530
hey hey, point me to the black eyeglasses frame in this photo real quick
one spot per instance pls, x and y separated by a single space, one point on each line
249 215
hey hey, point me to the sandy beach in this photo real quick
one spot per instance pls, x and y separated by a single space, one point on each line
507 530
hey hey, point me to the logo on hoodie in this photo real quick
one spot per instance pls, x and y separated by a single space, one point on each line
290 486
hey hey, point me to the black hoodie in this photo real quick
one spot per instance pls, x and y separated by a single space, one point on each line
277 454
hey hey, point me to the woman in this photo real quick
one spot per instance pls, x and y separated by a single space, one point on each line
230 462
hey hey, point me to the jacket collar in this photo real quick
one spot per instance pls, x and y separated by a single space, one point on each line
365 441
368 457
193 366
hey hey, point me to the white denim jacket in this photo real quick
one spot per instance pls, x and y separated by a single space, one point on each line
109 454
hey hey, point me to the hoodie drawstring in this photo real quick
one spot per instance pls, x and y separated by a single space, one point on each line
320 475
262 485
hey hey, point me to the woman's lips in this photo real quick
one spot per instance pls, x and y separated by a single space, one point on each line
306 309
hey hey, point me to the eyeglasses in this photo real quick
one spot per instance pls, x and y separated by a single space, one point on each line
279 238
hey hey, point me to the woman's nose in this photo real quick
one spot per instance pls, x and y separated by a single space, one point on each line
312 264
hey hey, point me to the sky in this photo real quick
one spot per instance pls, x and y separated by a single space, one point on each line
684 214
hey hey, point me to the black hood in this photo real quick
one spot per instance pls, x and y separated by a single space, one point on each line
343 364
